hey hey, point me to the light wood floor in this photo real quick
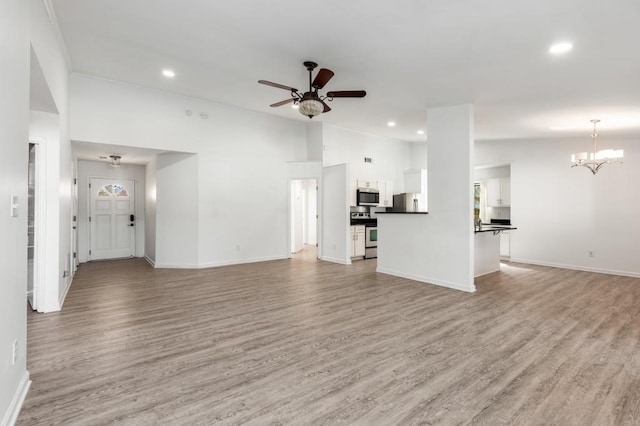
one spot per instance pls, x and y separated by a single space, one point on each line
305 342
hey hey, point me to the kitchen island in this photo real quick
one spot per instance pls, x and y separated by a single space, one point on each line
487 249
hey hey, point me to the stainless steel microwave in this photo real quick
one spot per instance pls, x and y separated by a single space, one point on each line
368 197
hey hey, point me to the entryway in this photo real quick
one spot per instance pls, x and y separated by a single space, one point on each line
111 218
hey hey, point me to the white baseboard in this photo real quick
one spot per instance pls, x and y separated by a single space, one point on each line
240 261
426 280
335 260
64 295
11 415
576 268
216 264
176 266
150 261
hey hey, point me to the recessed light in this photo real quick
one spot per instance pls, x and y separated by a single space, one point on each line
168 73
560 48
391 124
420 132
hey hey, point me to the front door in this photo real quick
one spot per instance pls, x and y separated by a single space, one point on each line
112 218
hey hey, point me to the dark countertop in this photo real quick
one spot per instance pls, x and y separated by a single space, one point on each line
496 229
402 213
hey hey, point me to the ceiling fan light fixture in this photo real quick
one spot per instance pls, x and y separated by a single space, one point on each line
311 107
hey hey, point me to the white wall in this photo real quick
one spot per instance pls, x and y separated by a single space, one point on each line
14 133
22 23
297 219
101 169
563 213
52 59
241 164
437 248
177 214
45 129
418 153
311 210
314 140
150 212
391 157
335 214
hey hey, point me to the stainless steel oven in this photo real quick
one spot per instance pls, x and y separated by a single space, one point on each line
371 242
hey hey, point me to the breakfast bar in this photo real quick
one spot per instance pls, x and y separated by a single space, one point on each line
487 249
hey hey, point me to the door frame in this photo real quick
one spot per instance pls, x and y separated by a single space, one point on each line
135 211
290 218
40 232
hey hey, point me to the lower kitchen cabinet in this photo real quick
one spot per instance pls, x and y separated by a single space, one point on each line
357 240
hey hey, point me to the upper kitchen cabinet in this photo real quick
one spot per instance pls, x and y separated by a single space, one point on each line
499 192
415 181
386 193
369 184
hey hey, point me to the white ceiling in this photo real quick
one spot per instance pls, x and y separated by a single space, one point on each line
408 55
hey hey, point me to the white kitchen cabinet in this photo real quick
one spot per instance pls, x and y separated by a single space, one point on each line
505 244
357 241
386 193
499 192
370 184
353 192
415 181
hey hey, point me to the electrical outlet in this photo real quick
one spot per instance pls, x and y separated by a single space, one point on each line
592 253
14 357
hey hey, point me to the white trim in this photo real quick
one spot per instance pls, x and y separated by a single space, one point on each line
426 280
214 264
15 406
336 260
63 296
240 261
51 12
577 268
150 261
487 273
40 223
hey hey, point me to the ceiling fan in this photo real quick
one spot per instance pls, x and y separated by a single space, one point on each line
311 103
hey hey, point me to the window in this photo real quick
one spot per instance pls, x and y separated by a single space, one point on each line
113 190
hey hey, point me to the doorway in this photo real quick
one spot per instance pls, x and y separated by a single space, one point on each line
111 218
31 227
304 215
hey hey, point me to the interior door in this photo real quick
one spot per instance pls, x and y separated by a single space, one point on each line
112 218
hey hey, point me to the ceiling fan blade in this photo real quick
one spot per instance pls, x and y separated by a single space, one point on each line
347 94
279 86
286 101
322 78
326 107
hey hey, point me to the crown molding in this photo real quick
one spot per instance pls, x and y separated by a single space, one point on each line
51 13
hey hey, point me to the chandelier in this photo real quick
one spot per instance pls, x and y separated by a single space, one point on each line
596 159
